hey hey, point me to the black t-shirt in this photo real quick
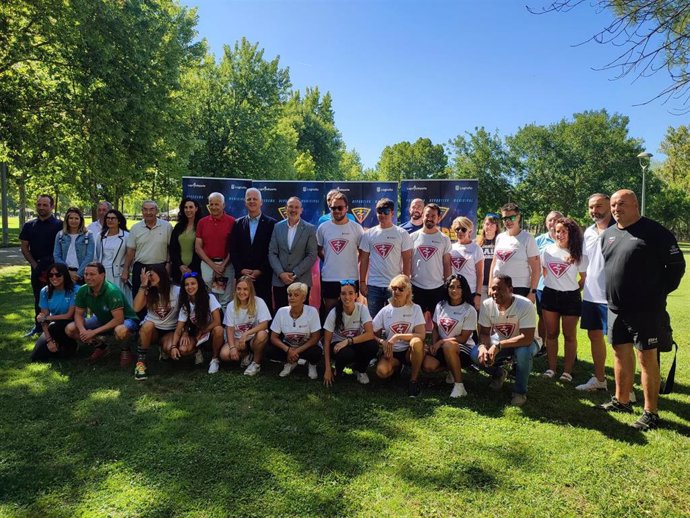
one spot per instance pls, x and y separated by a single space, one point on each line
41 237
488 250
643 264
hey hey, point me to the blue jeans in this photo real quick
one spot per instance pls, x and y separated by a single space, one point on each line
522 357
377 297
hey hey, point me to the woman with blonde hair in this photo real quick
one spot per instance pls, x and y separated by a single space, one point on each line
74 245
467 257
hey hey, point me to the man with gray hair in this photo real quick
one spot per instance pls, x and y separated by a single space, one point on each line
97 225
249 244
212 245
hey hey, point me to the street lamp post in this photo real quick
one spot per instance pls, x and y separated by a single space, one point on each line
645 159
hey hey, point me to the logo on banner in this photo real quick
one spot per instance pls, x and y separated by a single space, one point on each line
283 212
400 328
505 329
504 255
360 214
383 249
427 252
558 269
338 245
447 324
444 211
197 184
458 262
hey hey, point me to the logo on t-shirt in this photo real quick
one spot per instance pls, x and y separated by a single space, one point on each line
427 252
447 324
241 328
558 269
348 333
400 328
505 329
458 262
338 245
360 213
383 249
504 255
295 339
163 311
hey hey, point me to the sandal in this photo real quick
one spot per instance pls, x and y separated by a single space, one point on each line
566 376
548 374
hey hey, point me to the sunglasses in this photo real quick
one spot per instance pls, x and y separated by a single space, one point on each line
335 208
509 218
384 210
397 288
348 282
54 274
190 274
461 230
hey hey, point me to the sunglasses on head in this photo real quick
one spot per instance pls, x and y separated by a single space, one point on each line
492 215
509 218
189 274
335 208
348 282
384 210
54 274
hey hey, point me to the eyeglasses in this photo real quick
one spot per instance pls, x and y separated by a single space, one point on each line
54 274
335 208
348 282
398 288
189 274
509 218
461 230
384 210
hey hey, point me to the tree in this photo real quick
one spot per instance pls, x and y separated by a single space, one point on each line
676 146
421 160
652 35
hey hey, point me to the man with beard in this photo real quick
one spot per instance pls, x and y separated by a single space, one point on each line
415 221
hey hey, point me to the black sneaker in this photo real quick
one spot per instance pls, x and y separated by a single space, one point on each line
616 406
648 421
413 389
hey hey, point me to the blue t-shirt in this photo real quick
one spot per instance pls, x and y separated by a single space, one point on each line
543 240
59 303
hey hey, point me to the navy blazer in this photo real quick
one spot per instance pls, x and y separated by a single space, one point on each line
245 254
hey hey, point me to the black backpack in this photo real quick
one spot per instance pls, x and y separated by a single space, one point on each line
667 344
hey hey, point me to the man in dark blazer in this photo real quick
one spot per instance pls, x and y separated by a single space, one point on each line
292 252
249 242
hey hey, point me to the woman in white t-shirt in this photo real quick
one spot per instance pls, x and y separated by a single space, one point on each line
198 320
246 328
159 297
295 333
404 330
455 319
349 333
561 303
467 258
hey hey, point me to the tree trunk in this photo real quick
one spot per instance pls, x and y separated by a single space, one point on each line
22 199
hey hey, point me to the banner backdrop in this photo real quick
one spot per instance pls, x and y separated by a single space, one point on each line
275 194
455 197
233 189
363 197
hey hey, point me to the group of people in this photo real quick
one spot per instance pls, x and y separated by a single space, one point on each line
394 296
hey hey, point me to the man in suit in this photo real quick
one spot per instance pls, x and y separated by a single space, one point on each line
292 252
249 242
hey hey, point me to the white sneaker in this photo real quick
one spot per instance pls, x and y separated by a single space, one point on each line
213 366
633 397
246 360
449 378
253 369
301 361
198 357
362 378
287 369
313 374
458 390
592 385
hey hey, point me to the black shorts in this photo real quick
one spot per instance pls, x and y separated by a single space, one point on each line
401 356
520 290
427 299
331 289
566 303
464 351
646 331
537 298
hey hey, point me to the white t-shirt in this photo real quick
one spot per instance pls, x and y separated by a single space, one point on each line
464 259
241 321
165 318
453 320
595 282
212 306
511 254
521 314
340 245
353 325
427 259
296 332
385 247
400 320
72 261
560 274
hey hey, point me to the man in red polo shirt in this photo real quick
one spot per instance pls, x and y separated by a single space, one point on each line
212 237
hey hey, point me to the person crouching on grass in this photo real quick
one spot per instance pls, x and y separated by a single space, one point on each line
405 330
199 320
349 333
246 328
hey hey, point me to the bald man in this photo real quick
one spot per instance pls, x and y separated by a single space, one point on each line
642 265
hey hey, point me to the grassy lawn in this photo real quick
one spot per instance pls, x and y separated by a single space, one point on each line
77 440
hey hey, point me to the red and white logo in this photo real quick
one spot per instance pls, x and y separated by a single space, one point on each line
295 338
338 245
241 328
504 255
427 252
400 328
163 312
447 324
349 333
558 269
383 249
505 329
458 262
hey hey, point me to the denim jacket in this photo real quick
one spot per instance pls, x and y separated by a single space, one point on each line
84 246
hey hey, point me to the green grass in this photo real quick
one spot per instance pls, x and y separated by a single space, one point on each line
78 440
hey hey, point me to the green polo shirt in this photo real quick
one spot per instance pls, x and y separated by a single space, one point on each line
110 297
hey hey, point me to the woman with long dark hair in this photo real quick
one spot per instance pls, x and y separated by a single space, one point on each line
183 258
74 245
486 241
57 310
111 248
561 302
455 319
349 333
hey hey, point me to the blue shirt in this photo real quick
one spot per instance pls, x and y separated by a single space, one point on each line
59 303
253 225
543 240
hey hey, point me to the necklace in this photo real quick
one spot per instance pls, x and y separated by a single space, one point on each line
294 319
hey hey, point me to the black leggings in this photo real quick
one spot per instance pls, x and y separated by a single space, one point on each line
312 355
357 355
66 345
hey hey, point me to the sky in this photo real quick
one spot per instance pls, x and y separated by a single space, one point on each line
400 70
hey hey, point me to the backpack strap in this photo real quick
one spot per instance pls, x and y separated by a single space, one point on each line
667 387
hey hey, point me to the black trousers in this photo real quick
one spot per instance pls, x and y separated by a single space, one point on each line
313 355
357 355
66 345
36 286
